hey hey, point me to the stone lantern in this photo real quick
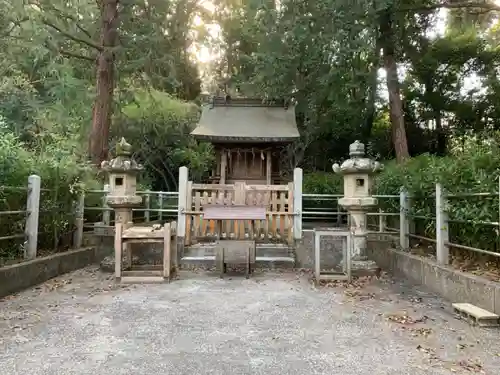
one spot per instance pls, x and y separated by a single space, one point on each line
358 172
122 173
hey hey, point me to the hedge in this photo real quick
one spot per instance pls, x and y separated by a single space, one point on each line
471 167
63 176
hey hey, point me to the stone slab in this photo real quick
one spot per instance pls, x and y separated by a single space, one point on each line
475 315
304 249
474 311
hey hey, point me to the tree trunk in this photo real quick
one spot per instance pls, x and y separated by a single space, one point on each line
440 134
395 104
103 104
372 96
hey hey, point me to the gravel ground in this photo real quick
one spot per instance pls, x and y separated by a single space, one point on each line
273 323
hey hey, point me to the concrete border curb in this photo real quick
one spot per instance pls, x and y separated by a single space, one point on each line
16 277
449 283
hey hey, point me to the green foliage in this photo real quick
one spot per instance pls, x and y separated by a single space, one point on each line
323 54
322 183
158 127
63 176
472 167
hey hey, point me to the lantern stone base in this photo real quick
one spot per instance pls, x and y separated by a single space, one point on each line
123 201
360 264
363 204
364 267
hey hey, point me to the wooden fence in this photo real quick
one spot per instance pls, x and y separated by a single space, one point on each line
278 200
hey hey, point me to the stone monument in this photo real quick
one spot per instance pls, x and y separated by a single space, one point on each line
122 173
358 172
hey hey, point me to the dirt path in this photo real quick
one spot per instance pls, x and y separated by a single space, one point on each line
274 323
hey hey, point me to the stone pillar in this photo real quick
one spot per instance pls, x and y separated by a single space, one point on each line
123 215
357 226
358 172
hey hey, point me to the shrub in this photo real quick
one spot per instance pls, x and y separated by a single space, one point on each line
158 126
63 176
470 168
322 183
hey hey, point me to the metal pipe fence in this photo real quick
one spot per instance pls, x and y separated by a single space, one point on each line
430 219
34 220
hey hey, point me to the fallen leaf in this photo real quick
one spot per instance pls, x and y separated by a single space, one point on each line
421 332
471 366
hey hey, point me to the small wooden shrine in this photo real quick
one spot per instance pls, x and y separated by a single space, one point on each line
248 136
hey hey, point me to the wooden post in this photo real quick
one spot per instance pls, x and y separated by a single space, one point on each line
404 228
118 250
167 262
33 212
147 202
223 163
239 198
297 203
217 163
189 217
181 210
268 167
79 215
173 247
289 219
442 232
239 192
106 214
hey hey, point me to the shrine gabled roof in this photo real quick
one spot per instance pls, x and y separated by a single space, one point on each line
246 120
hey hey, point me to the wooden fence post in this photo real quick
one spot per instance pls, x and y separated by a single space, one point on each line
33 212
442 233
181 210
147 201
106 214
297 203
404 225
79 217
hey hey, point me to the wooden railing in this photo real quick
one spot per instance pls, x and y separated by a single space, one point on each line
277 199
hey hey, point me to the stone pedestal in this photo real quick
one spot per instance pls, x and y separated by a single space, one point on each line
358 174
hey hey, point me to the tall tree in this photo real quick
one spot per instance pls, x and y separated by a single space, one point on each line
105 82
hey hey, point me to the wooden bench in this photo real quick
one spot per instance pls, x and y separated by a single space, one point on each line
234 251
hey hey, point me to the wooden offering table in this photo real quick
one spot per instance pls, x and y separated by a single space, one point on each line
124 238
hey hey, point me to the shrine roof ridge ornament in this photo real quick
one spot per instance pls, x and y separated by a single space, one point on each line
228 101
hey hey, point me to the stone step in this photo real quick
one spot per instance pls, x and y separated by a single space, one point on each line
208 261
261 250
476 315
267 256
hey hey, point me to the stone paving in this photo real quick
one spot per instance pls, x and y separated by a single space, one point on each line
273 323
